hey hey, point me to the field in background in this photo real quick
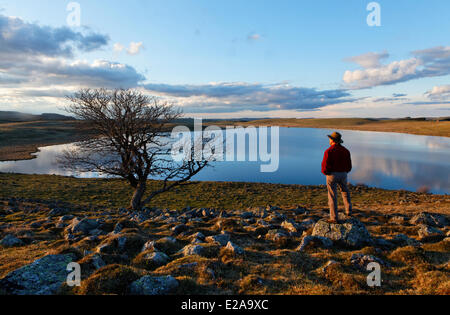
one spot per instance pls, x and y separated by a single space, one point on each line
411 126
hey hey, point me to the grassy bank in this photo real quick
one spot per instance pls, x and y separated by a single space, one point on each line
115 193
18 141
410 126
266 267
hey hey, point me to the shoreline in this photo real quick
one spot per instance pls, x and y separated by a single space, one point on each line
19 146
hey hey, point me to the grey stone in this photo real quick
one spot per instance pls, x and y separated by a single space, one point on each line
247 215
179 229
235 249
361 261
190 250
350 233
66 218
150 245
429 233
403 240
149 285
398 220
84 226
157 258
11 241
314 241
431 219
276 235
221 239
42 277
291 226
199 236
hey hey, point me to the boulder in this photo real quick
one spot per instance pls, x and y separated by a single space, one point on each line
190 250
235 249
84 226
402 240
150 245
149 285
11 241
247 215
276 236
431 219
351 233
429 233
291 226
42 277
221 239
361 261
179 229
399 220
157 258
314 241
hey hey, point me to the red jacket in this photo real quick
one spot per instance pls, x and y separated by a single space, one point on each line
337 159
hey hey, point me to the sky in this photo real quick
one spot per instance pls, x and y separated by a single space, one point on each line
233 58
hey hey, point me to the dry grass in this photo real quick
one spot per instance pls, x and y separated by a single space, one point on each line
266 267
411 126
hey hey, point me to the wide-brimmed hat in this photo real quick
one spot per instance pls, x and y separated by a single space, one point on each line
336 137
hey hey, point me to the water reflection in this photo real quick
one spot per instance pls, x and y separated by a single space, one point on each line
387 160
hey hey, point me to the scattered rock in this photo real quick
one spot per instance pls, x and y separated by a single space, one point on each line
403 240
198 236
291 226
84 226
221 239
11 241
235 249
42 277
351 233
66 218
124 224
314 241
431 219
179 229
428 233
247 215
149 285
276 236
399 220
361 261
150 245
190 250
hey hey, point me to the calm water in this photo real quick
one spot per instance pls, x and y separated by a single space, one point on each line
386 160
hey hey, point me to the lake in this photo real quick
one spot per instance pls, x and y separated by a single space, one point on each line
384 160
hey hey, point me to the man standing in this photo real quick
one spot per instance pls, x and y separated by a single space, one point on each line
336 165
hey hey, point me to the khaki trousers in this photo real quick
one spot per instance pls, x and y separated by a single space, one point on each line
334 180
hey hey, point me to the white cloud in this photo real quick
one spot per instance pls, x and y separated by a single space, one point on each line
431 62
118 47
134 48
439 92
369 60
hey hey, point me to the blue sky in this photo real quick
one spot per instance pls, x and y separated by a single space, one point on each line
244 58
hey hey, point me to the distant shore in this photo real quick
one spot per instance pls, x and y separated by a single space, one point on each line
409 126
20 140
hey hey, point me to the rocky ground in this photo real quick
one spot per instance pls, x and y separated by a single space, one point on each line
264 250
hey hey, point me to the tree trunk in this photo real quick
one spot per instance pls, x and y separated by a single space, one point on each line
136 201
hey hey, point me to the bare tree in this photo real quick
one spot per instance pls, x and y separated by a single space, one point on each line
131 143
